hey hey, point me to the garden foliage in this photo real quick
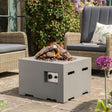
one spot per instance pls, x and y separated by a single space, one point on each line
48 20
2 105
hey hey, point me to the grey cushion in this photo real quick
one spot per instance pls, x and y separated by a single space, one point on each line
5 48
91 15
81 47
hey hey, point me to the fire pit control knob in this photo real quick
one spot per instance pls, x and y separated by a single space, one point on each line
55 77
50 76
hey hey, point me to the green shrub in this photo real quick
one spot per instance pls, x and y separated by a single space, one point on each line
48 21
2 105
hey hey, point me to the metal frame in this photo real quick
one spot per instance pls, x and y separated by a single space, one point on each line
7 16
12 15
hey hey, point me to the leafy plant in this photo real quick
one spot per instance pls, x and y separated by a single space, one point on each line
101 107
110 97
48 21
2 105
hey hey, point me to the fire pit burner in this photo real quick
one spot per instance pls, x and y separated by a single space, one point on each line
53 53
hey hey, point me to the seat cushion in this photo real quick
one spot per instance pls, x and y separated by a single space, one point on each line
5 48
84 47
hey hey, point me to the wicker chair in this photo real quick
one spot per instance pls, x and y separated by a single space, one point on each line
9 59
89 17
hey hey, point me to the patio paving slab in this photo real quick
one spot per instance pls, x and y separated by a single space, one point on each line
17 103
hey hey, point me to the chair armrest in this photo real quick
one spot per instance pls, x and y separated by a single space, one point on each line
14 38
109 45
72 38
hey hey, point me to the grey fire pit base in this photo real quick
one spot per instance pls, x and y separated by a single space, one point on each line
59 81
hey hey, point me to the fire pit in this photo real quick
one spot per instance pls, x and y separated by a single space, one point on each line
54 80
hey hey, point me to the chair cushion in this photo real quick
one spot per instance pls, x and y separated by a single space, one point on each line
92 15
5 48
101 32
84 47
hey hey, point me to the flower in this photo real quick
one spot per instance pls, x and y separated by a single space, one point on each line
101 2
78 4
104 62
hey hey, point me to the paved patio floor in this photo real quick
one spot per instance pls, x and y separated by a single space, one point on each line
16 103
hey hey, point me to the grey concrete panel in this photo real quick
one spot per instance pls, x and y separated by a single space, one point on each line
74 78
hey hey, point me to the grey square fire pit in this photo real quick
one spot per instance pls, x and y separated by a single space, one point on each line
59 81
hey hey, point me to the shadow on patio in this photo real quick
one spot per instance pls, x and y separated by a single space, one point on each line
82 107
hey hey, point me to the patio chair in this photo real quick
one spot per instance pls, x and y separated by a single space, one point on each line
89 17
13 46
